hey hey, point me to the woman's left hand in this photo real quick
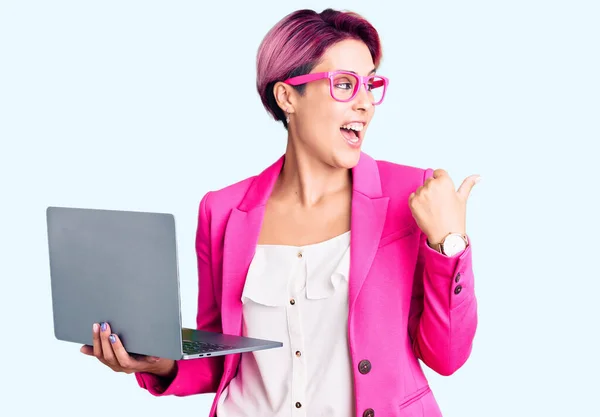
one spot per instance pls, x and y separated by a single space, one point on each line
439 208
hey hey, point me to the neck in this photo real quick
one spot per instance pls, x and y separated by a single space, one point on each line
306 180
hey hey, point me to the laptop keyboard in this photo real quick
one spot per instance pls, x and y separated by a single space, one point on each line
191 348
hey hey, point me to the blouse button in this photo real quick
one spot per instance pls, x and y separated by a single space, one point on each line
298 353
299 255
298 405
292 301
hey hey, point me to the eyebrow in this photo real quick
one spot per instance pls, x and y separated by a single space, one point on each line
371 72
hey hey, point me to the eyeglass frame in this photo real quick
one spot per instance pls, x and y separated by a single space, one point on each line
362 80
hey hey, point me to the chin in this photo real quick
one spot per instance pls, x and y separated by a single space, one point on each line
347 158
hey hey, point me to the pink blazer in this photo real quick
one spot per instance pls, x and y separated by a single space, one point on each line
407 302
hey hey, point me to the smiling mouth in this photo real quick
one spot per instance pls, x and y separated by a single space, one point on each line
352 132
350 135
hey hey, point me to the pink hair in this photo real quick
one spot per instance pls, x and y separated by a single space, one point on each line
295 45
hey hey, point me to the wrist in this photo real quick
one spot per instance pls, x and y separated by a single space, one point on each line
434 246
165 369
451 244
437 237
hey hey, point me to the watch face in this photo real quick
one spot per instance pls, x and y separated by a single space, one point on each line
453 245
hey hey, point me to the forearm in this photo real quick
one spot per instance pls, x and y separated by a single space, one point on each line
191 376
444 316
166 370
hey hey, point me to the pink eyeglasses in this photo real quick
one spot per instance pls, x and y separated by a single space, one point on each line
344 85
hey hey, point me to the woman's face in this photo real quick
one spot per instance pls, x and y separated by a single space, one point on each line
316 124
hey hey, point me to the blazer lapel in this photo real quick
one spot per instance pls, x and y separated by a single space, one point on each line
239 246
369 210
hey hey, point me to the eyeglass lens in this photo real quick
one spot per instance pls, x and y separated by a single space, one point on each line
345 85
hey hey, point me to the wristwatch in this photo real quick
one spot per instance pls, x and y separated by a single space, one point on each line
452 244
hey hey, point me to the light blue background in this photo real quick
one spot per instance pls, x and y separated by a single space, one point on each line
147 105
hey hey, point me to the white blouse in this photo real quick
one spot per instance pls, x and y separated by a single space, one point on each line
298 296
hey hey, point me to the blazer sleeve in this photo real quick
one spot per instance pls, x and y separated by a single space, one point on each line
443 311
195 376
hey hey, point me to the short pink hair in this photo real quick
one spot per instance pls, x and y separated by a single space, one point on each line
296 44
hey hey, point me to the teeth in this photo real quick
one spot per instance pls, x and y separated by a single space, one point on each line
354 126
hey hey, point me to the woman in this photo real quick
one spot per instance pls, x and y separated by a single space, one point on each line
360 267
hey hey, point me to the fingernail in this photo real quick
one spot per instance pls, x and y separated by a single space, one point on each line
95 328
477 180
103 326
112 338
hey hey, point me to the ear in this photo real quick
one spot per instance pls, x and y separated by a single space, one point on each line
285 96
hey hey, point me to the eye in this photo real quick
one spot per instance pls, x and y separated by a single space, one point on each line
344 85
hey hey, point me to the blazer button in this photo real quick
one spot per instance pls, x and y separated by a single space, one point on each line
369 412
364 367
457 277
458 289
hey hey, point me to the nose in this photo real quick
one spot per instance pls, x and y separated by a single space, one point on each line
362 101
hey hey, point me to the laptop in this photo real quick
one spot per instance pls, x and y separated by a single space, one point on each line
121 267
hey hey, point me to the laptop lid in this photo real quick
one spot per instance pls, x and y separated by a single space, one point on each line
119 267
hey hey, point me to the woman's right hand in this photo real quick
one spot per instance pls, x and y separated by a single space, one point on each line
109 350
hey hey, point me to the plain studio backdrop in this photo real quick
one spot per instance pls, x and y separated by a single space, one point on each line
147 105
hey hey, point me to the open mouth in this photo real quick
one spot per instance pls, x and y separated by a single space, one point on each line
352 132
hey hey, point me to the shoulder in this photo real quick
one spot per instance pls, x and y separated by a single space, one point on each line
398 181
246 193
399 178
230 195
224 199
